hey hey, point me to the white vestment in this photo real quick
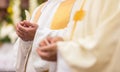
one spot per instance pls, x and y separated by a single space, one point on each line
28 56
95 46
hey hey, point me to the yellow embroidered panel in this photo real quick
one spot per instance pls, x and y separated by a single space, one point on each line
62 15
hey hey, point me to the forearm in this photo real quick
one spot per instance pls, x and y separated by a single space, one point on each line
22 53
83 57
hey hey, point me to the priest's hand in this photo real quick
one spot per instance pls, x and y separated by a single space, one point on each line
48 52
47 49
26 30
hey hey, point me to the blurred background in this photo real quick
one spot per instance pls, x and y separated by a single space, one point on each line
11 12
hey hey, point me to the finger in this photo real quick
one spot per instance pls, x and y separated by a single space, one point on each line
20 35
44 42
29 24
56 39
47 55
19 31
22 28
22 23
47 42
49 39
42 50
49 48
43 55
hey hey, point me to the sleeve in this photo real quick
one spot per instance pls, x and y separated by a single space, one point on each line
39 64
62 32
23 49
35 62
93 52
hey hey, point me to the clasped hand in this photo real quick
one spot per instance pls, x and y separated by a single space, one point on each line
47 49
26 30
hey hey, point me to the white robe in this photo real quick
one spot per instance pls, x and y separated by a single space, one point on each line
95 46
35 63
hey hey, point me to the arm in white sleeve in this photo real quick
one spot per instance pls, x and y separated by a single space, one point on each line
93 52
37 63
23 47
20 42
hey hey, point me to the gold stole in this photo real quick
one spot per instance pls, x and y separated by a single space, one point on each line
38 13
62 15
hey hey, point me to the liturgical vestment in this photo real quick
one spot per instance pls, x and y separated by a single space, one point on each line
52 18
93 44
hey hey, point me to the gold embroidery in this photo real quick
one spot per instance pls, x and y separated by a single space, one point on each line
62 15
79 15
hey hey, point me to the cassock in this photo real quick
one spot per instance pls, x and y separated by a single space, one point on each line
52 18
93 43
